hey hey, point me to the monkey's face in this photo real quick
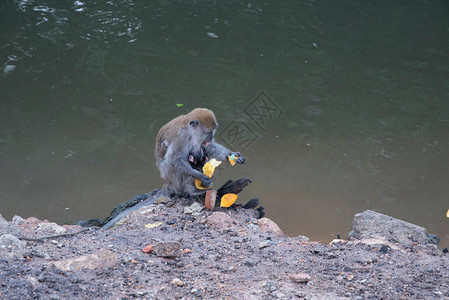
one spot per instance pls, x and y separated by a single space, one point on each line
200 134
208 136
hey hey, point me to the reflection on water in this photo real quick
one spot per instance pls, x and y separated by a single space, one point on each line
85 86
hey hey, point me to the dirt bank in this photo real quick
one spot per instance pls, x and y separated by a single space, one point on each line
228 254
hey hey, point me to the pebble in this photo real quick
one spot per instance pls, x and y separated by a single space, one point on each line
161 199
148 248
167 249
177 282
263 244
194 208
300 277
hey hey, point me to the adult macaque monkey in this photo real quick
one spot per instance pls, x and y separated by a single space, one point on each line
184 145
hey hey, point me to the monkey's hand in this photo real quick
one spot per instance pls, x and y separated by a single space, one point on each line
206 181
238 157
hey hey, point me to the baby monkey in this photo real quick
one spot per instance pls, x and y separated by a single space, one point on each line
184 145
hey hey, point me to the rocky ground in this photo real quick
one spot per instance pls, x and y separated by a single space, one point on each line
163 251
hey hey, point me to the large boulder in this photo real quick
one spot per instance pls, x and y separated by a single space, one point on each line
373 225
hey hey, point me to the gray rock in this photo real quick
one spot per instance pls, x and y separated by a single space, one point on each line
268 226
33 281
102 259
373 225
219 220
178 282
11 247
263 244
161 199
4 226
167 249
17 220
194 208
46 228
303 238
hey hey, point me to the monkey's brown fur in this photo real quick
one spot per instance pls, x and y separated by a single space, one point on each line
183 145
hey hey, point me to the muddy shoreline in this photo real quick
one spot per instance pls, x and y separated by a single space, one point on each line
165 251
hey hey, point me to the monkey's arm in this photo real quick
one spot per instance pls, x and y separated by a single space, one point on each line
186 167
220 152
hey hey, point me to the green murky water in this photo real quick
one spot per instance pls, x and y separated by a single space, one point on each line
341 106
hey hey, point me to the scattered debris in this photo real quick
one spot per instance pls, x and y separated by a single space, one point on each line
213 257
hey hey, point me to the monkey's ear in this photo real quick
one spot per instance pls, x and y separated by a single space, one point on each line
194 123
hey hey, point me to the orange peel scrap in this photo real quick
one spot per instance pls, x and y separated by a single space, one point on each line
228 199
232 159
208 170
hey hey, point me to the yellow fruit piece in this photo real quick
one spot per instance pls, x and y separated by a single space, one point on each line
208 170
153 225
447 214
232 160
228 199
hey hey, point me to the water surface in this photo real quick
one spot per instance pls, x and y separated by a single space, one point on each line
361 89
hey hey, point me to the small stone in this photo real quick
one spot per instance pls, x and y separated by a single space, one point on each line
262 245
187 251
300 277
219 219
33 281
302 238
162 199
193 291
197 214
383 249
167 249
177 282
196 207
148 248
188 210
